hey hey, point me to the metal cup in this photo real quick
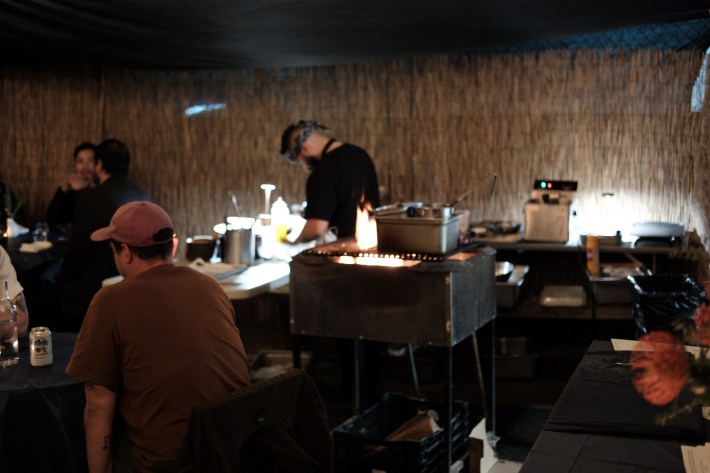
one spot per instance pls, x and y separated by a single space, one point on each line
41 232
239 247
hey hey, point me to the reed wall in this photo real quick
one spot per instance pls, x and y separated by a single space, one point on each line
436 127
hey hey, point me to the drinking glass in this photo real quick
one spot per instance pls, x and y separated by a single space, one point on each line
41 232
9 353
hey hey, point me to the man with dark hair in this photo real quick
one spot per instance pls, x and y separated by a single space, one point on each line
61 209
152 346
342 179
115 158
87 263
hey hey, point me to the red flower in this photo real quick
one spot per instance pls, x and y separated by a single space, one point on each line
664 368
702 324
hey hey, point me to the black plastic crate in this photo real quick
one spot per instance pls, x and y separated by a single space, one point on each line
360 444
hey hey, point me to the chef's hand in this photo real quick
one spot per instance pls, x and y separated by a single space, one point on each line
290 237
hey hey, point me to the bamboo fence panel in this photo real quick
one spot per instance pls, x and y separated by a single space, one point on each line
617 121
42 121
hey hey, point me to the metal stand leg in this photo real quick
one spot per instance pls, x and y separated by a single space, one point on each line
482 389
357 349
486 377
415 378
296 350
492 377
446 421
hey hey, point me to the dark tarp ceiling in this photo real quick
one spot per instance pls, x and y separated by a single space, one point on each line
283 33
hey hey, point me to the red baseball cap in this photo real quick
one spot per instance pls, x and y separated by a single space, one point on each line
138 224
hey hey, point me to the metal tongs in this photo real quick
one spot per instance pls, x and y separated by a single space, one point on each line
394 209
233 198
233 201
465 194
459 198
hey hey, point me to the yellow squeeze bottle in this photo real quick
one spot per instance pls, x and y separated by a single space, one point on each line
279 219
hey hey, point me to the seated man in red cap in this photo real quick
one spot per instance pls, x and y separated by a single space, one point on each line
152 346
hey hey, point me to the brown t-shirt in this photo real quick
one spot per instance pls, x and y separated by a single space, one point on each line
167 340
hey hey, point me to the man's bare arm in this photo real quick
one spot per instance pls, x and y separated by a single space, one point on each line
313 228
98 424
23 319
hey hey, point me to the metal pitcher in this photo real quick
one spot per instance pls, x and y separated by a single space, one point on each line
239 246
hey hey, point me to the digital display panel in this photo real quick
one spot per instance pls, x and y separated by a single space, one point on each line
551 185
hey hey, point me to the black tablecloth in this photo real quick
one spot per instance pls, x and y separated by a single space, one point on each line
564 452
26 262
601 424
41 414
600 398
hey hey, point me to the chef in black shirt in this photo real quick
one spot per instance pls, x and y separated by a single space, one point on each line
342 177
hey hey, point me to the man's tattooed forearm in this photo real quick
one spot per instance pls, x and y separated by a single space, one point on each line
21 303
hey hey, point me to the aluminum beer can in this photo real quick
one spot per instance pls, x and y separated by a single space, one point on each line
41 347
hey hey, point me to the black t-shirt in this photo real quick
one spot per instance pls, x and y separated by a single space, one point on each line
344 177
87 263
61 208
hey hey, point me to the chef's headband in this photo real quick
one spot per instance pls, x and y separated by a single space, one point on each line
292 152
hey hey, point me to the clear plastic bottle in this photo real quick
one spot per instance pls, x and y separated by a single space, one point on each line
279 219
9 353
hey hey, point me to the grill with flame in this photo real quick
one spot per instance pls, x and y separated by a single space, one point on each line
339 290
347 289
438 303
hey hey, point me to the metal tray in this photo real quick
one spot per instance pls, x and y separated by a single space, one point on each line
503 270
613 286
508 291
563 296
402 234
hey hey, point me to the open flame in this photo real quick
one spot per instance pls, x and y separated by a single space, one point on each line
366 239
373 261
365 228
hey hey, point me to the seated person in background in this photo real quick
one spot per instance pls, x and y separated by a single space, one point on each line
15 291
152 346
10 206
61 208
87 263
